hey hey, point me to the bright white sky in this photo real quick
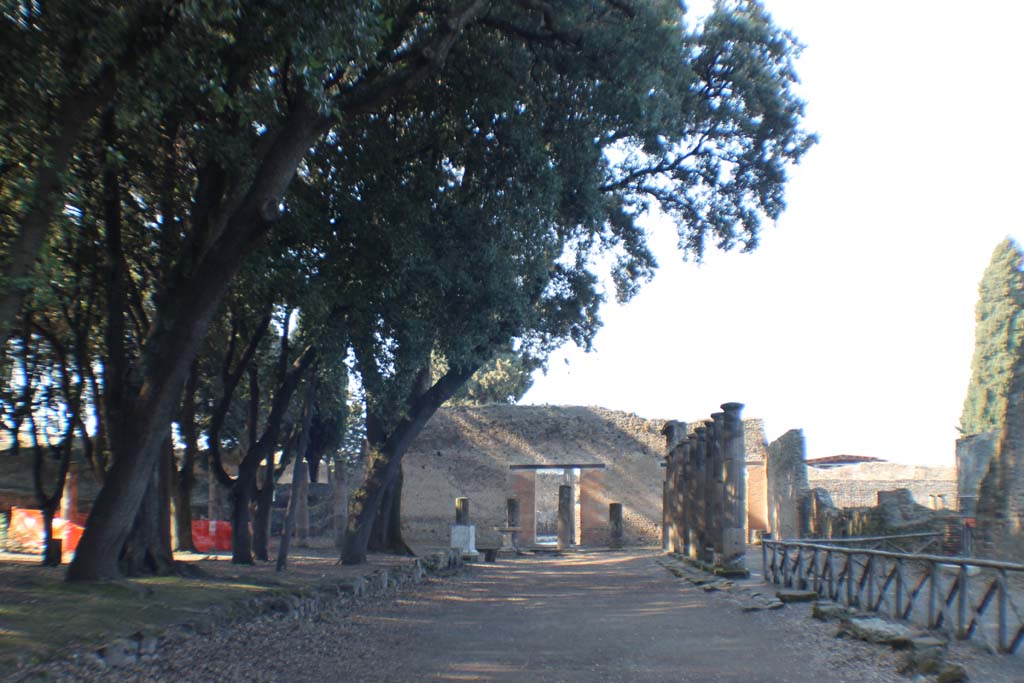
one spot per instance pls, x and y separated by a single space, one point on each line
854 320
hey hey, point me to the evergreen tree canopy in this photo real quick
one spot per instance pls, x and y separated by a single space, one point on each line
998 335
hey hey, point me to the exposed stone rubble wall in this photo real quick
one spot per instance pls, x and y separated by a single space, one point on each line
787 486
973 456
858 485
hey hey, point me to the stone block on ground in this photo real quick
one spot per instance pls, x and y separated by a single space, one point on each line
826 610
952 673
877 630
790 595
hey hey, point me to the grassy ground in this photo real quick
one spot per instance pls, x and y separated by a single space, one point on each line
42 616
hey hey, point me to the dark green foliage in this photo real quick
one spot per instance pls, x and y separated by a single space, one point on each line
504 379
998 336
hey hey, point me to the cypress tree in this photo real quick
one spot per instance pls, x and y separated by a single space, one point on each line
998 334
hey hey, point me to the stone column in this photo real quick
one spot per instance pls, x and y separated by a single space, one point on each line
693 501
704 488
615 527
462 511
716 457
682 488
679 495
735 504
512 520
565 522
666 516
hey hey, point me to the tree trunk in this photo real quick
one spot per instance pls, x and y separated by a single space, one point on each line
194 289
386 536
264 508
186 478
299 474
147 550
289 517
339 503
385 463
241 497
300 493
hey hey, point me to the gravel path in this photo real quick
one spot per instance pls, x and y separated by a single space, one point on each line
598 616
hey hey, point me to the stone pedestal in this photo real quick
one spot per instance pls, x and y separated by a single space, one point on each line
616 531
565 517
463 538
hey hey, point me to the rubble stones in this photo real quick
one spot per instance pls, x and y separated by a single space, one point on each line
824 610
877 630
788 596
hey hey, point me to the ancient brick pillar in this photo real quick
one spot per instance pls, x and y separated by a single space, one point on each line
615 526
734 506
565 516
524 487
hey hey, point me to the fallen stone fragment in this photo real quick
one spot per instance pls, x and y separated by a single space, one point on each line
927 643
796 596
120 652
952 673
763 606
825 610
877 630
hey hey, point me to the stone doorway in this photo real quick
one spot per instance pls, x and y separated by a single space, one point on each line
536 487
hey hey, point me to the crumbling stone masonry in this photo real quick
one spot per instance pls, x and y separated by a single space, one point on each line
787 486
705 489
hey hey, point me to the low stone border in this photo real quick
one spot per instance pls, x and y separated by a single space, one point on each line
925 653
304 603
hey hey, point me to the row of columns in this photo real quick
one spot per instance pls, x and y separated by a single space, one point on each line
705 490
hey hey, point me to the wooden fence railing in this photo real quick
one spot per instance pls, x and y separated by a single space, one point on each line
969 597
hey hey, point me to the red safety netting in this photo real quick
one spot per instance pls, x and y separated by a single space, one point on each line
210 535
26 531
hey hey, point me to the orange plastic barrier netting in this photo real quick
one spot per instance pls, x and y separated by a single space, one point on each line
26 531
210 535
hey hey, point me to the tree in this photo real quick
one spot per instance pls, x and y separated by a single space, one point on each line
530 182
504 379
999 332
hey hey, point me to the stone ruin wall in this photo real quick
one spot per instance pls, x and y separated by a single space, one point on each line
973 457
467 451
786 485
858 485
852 500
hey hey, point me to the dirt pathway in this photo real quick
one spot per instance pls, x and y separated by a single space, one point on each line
598 616
606 617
